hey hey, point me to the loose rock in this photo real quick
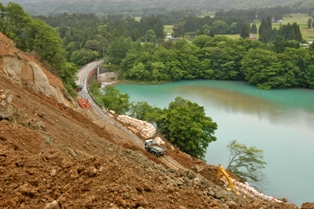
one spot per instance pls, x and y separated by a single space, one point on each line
53 172
232 205
53 205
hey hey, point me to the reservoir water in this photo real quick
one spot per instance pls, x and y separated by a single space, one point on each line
280 122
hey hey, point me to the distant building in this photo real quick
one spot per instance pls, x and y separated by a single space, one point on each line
252 37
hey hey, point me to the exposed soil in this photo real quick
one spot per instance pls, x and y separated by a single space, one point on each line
53 156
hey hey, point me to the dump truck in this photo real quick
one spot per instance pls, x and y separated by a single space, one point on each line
153 147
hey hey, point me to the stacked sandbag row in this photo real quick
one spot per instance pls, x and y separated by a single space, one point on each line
248 191
146 129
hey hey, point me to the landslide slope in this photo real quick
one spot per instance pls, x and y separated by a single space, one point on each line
53 156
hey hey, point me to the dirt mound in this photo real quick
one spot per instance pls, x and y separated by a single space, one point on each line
308 205
54 156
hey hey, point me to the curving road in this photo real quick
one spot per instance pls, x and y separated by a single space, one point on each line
83 73
82 76
118 131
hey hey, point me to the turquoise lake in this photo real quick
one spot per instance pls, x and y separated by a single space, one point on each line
280 122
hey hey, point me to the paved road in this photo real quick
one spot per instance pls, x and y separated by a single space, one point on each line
82 76
83 73
118 131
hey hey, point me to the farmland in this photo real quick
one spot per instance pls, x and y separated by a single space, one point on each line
300 19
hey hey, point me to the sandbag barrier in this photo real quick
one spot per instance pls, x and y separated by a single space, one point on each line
248 191
146 129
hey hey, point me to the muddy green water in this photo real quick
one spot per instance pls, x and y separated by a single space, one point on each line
280 122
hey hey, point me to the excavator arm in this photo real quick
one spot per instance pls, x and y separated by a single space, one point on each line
221 170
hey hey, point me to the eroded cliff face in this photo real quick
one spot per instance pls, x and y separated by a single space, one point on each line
26 71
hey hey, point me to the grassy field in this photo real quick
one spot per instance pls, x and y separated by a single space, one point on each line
301 19
168 29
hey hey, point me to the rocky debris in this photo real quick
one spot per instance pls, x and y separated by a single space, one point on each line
307 205
6 109
146 129
91 171
232 204
53 205
248 191
53 172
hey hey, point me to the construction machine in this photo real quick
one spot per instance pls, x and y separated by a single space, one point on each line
220 171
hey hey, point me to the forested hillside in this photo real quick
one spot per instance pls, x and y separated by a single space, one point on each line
47 7
35 36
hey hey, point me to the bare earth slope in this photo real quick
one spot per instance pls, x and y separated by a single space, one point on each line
53 156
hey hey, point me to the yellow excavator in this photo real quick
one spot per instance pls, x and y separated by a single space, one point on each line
221 170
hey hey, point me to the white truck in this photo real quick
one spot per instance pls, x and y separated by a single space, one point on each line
154 147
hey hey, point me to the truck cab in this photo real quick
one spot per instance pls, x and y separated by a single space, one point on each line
152 147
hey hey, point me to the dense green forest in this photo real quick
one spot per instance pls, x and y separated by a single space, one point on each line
281 64
135 7
87 37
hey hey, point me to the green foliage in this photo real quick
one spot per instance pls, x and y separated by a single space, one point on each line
288 32
150 36
118 49
35 35
265 30
186 125
97 95
112 99
267 70
309 23
263 65
245 30
220 27
246 162
143 111
254 29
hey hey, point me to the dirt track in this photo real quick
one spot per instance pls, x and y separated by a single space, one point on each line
54 156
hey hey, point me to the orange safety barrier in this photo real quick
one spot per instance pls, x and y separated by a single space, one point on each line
83 103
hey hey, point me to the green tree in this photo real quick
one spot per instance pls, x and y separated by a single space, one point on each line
16 21
265 30
150 36
142 111
118 49
267 70
246 162
220 27
245 30
114 100
254 28
94 90
186 125
201 40
309 23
